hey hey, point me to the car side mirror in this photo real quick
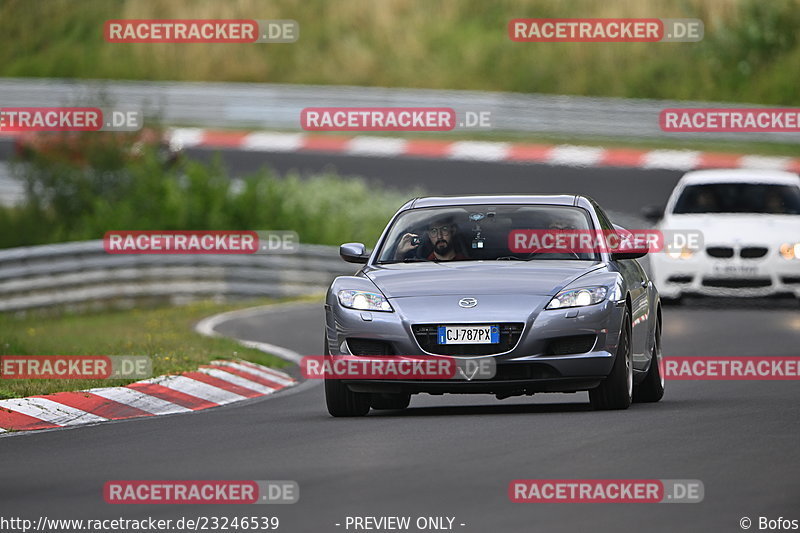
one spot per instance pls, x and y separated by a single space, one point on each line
653 213
354 252
616 256
627 249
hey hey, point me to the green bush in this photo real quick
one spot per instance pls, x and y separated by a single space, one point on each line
77 201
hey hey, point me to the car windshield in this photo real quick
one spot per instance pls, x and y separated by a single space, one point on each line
739 198
479 232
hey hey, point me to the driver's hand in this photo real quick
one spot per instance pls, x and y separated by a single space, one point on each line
405 245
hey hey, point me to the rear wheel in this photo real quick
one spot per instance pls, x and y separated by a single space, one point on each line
390 401
341 401
651 389
616 391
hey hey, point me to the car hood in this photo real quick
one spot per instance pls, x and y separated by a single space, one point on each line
468 278
744 228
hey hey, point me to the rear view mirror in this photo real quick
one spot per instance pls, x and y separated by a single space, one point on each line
653 213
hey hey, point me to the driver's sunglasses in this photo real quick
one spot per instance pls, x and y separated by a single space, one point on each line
442 230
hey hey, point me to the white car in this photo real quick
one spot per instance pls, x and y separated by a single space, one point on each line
750 222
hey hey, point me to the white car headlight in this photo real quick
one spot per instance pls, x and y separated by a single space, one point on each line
790 250
578 297
680 252
363 300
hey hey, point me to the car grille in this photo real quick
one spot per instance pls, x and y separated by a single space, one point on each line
753 252
680 279
789 280
574 344
426 335
737 283
727 252
721 252
369 347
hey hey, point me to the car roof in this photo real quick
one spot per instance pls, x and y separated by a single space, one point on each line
495 199
742 175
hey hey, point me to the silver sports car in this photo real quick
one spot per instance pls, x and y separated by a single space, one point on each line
446 280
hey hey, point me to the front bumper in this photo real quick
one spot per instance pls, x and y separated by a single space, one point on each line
529 366
703 275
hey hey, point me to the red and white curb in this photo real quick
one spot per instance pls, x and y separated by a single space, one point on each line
212 385
565 155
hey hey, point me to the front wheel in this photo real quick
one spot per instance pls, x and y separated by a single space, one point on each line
616 391
341 401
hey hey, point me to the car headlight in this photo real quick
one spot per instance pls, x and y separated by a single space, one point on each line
363 300
578 297
680 252
790 250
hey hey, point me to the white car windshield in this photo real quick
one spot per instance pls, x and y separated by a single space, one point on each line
764 198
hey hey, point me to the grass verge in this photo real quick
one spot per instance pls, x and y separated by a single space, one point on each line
749 52
166 334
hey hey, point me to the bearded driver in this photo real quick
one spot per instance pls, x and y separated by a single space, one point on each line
441 232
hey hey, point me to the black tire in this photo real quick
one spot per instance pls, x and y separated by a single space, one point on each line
616 391
341 401
651 389
390 401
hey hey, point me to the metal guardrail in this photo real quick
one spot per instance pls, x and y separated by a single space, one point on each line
74 275
79 274
278 106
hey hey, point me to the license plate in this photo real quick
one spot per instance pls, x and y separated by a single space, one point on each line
468 335
736 271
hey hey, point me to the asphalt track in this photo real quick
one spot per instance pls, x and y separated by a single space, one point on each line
616 189
455 455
